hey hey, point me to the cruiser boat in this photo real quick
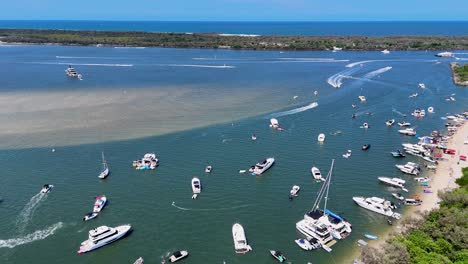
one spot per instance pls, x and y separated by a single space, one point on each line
295 189
263 166
407 132
196 187
321 137
409 168
47 188
103 235
208 169
316 174
377 205
390 122
275 124
178 255
105 169
398 196
99 204
90 216
71 72
395 182
404 124
304 244
240 241
278 255
362 98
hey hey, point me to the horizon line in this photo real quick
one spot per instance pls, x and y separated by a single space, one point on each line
239 21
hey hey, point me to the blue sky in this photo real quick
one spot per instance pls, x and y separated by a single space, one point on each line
235 10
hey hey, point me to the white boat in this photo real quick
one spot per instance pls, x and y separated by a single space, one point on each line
240 241
294 190
304 244
148 162
385 51
422 85
413 95
445 54
99 204
263 166
410 201
404 124
422 179
90 216
419 113
398 196
274 123
362 98
395 182
321 137
178 255
390 122
365 125
430 109
105 169
377 205
139 260
347 154
103 235
278 255
316 174
208 169
47 188
196 187
407 132
409 168
253 137
336 49
71 72
315 93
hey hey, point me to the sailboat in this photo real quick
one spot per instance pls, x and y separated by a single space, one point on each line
105 168
324 225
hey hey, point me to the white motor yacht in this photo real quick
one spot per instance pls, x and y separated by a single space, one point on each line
178 255
395 182
445 54
377 205
336 49
148 162
316 174
240 241
409 168
99 204
47 188
275 124
196 187
321 137
263 166
102 236
407 132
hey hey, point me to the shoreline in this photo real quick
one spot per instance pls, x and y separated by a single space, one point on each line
231 41
455 77
443 179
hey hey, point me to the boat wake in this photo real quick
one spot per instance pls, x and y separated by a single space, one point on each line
336 80
209 209
398 112
36 235
28 211
84 64
294 111
358 63
372 74
73 57
198 66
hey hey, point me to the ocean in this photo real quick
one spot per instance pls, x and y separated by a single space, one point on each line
193 108
376 28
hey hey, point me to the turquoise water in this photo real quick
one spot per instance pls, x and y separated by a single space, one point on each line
158 203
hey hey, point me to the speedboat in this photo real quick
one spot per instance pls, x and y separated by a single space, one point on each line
71 72
253 137
336 49
377 205
362 98
295 189
196 187
99 204
347 154
275 124
365 146
90 216
385 51
445 54
316 174
413 95
304 244
398 196
370 236
395 182
390 122
47 188
263 166
404 124
240 241
315 93
321 137
422 85
139 260
397 154
208 169
407 132
430 109
103 235
365 125
105 169
278 255
178 255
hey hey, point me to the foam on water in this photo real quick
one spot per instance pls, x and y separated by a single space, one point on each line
294 111
372 74
209 209
198 66
336 80
36 235
85 64
28 211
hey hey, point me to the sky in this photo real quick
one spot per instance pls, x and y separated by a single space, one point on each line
235 10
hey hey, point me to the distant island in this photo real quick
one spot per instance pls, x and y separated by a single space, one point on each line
459 73
230 41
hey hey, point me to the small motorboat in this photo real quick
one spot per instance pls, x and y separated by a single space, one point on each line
139 260
47 188
362 98
404 124
278 255
353 116
411 201
353 105
317 174
242 171
304 244
365 125
413 95
347 154
178 255
253 137
315 93
370 236
365 146
196 187
362 243
430 109
422 85
397 154
385 51
90 216
407 132
321 137
208 169
390 122
99 204
275 124
398 196
294 190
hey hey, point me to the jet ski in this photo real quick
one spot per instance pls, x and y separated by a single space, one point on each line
47 188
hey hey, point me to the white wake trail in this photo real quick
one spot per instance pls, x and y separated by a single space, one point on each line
28 211
372 74
336 80
209 209
84 64
294 111
198 66
36 235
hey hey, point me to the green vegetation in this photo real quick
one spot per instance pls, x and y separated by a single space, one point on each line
462 72
439 237
459 73
211 40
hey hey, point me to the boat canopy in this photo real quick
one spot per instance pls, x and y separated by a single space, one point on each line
333 214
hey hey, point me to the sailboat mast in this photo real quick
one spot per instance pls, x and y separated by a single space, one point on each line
328 185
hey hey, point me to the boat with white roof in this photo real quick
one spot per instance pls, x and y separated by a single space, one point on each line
395 182
378 205
103 235
240 241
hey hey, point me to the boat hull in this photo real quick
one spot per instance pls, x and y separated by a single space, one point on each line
88 245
